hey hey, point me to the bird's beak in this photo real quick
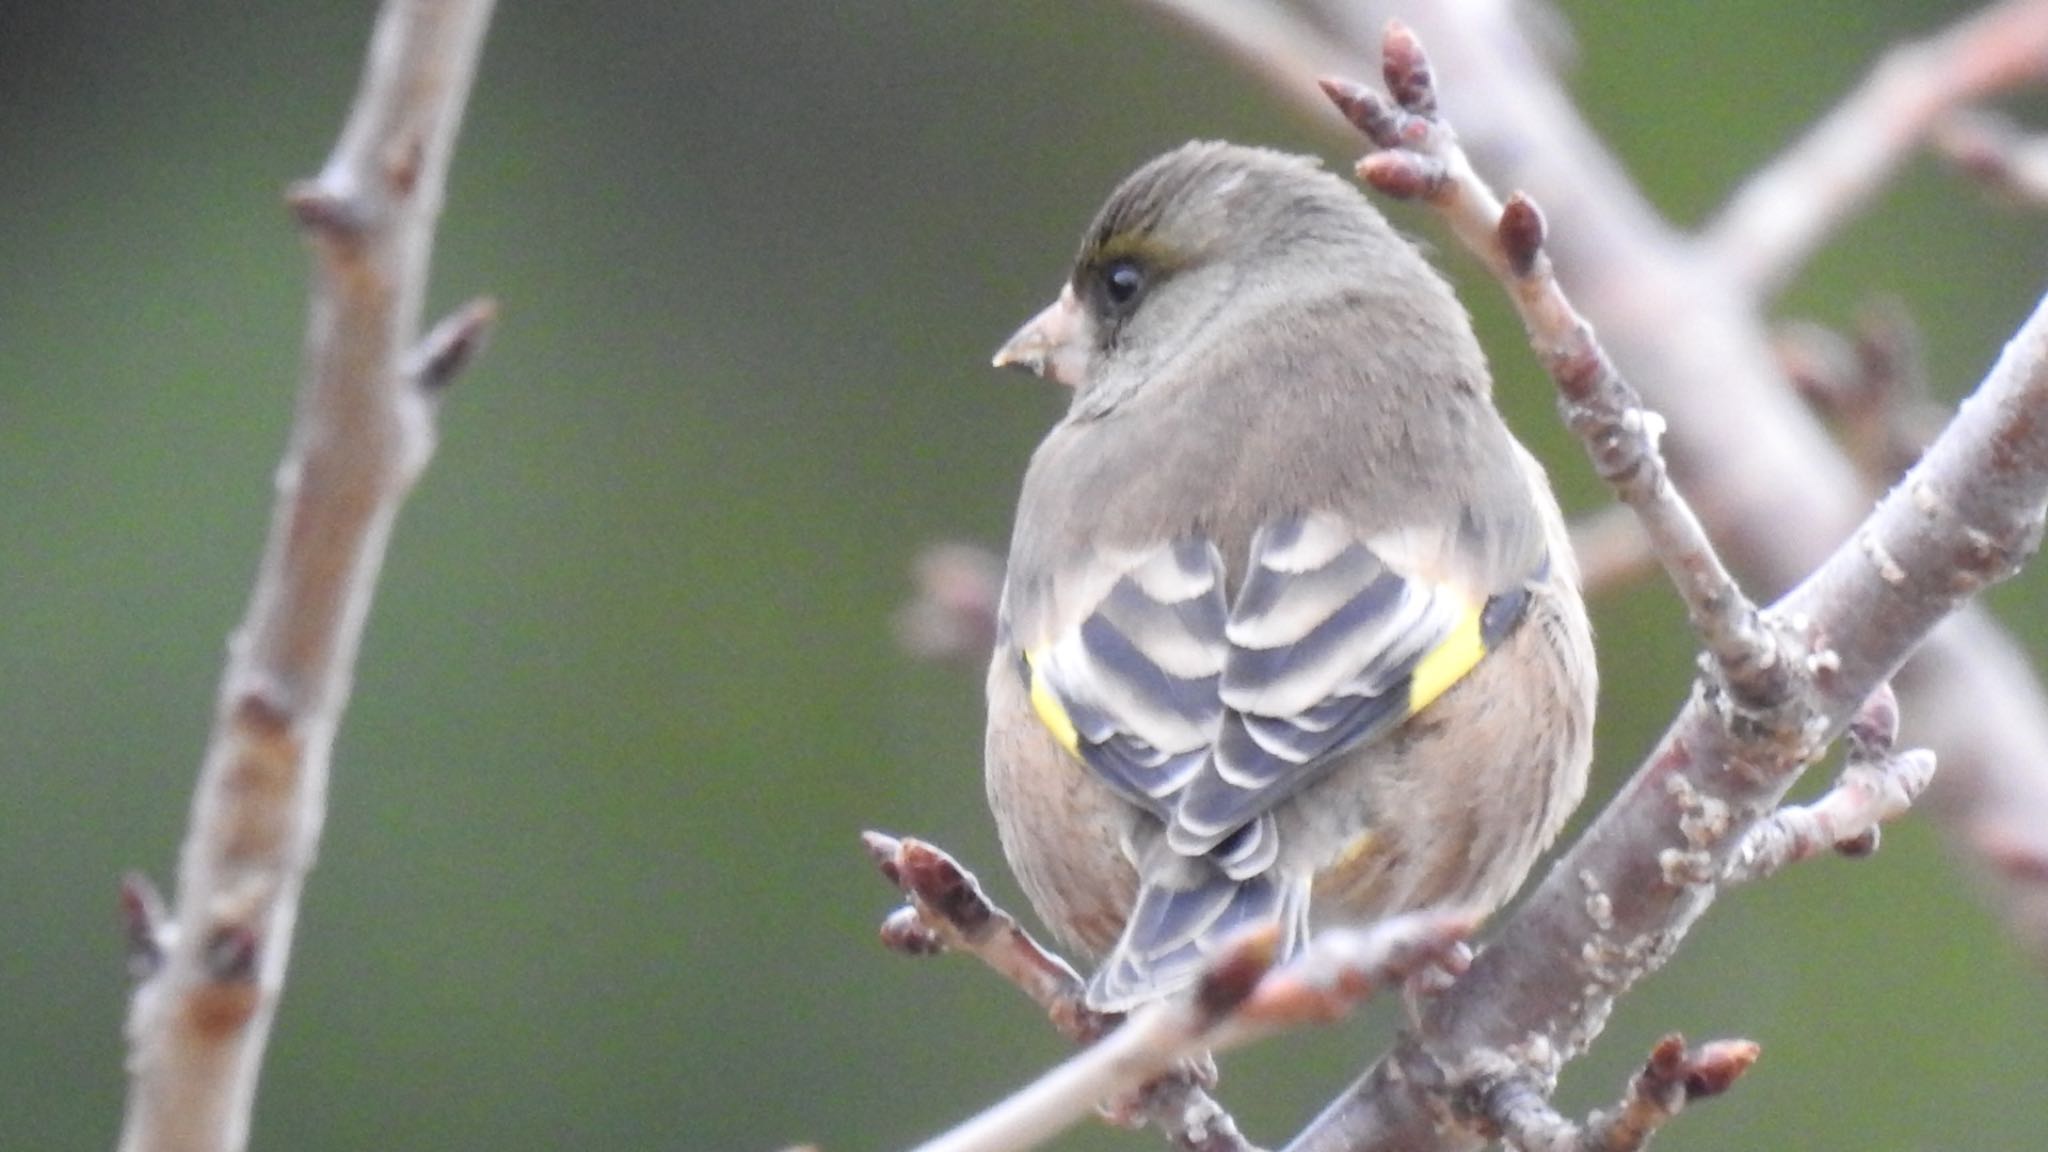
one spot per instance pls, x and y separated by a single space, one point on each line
1052 344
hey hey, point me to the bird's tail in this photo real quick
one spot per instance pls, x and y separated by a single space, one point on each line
1175 928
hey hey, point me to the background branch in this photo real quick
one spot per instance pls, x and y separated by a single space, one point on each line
1651 860
1968 514
1775 491
1783 212
1997 152
362 434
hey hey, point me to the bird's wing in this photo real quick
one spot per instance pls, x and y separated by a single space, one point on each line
1208 715
1332 644
1133 688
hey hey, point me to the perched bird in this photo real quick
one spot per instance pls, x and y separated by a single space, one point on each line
1291 629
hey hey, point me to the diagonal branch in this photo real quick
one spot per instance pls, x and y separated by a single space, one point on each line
1420 157
1765 475
948 912
1620 901
362 434
1997 153
1239 999
1153 1065
1781 214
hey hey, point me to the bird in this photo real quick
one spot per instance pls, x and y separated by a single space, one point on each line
1290 632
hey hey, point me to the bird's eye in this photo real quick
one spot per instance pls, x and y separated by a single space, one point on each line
1122 281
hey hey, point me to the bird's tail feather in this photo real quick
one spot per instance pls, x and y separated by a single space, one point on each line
1174 929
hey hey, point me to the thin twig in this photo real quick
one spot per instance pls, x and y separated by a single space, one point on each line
1993 150
1146 1047
1240 998
1673 1077
949 912
1781 214
1877 784
362 435
1420 158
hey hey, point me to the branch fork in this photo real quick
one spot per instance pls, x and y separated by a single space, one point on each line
1154 1064
1673 1077
1756 657
1774 692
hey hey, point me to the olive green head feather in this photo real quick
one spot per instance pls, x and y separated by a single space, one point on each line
1205 231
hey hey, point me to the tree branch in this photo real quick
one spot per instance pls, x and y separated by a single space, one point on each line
1781 214
1617 905
1621 900
1877 785
948 912
1770 484
1996 152
1150 1061
1155 1064
362 434
1672 1078
1419 157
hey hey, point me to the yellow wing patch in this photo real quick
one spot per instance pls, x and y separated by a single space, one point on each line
1051 713
1447 663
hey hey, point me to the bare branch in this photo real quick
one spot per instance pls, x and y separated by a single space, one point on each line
1764 474
1876 786
1145 1048
1783 212
1996 152
1420 156
948 912
1621 900
1239 999
1845 820
362 435
1154 1066
1672 1078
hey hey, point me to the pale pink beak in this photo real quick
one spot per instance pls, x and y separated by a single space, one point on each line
1052 344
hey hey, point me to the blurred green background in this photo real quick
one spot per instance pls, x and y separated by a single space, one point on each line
591 877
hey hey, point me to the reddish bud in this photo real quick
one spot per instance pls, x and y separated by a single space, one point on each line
1521 231
1406 68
